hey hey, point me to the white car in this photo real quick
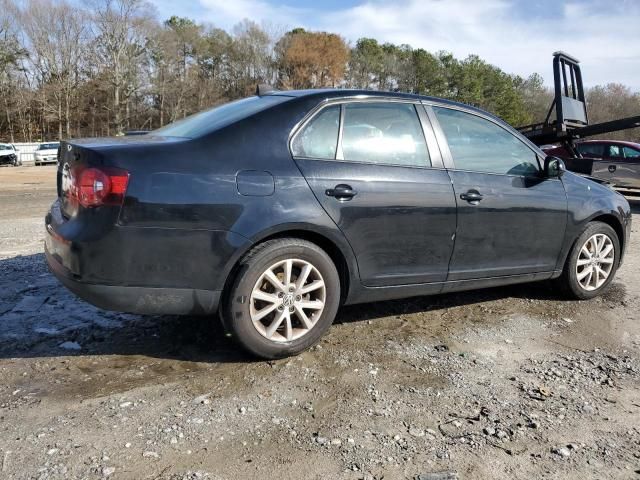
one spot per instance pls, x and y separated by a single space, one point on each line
47 153
8 155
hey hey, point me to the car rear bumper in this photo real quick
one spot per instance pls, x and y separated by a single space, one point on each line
142 300
140 270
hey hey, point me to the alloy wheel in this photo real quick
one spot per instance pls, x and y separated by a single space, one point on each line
595 262
287 300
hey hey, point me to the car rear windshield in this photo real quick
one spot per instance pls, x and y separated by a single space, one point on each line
218 117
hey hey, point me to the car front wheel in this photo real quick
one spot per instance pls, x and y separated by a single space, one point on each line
284 297
593 261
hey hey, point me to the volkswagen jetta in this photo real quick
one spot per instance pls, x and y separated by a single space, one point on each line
276 209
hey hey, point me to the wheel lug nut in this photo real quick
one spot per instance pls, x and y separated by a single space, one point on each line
291 289
298 298
280 308
291 309
280 294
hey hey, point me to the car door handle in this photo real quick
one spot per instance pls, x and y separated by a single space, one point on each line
612 168
341 192
472 196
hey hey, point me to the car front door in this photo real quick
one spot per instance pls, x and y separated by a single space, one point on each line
595 152
369 166
613 161
511 220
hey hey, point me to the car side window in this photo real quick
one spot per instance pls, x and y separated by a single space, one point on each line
384 133
631 152
613 151
319 138
590 149
479 145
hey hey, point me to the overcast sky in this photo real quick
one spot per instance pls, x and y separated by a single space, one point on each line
518 36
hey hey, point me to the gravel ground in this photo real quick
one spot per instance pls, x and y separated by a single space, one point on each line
502 383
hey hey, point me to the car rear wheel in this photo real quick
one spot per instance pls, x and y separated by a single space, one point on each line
593 261
284 297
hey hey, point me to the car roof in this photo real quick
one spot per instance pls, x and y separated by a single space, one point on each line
322 93
614 142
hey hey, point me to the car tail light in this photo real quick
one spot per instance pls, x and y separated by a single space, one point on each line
92 187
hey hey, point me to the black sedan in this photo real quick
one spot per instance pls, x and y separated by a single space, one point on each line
276 209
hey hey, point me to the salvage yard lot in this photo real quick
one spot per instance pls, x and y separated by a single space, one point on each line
504 383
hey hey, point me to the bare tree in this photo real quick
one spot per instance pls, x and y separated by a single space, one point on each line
11 54
57 33
121 28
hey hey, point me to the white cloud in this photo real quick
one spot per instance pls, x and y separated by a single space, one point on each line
605 37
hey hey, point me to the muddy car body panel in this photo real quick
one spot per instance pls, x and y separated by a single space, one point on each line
192 207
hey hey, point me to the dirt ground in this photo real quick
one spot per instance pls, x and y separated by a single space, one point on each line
501 384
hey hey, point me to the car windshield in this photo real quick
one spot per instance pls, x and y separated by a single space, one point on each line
218 117
48 146
6 147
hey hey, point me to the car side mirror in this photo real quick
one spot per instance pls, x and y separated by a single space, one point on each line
554 167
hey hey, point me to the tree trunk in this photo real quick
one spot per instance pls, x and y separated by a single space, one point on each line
59 118
9 122
67 113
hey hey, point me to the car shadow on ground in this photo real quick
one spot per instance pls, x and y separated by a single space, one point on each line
63 325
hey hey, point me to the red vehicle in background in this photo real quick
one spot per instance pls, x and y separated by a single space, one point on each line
613 161
566 125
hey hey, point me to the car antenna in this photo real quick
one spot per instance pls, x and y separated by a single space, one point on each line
263 89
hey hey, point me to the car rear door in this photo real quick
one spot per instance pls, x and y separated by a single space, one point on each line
511 220
373 164
625 163
632 159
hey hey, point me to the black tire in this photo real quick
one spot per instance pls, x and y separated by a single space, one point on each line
236 304
569 279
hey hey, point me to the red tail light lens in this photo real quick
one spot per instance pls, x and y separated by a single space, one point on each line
92 187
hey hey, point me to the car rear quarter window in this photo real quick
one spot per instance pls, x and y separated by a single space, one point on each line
319 138
479 145
384 133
